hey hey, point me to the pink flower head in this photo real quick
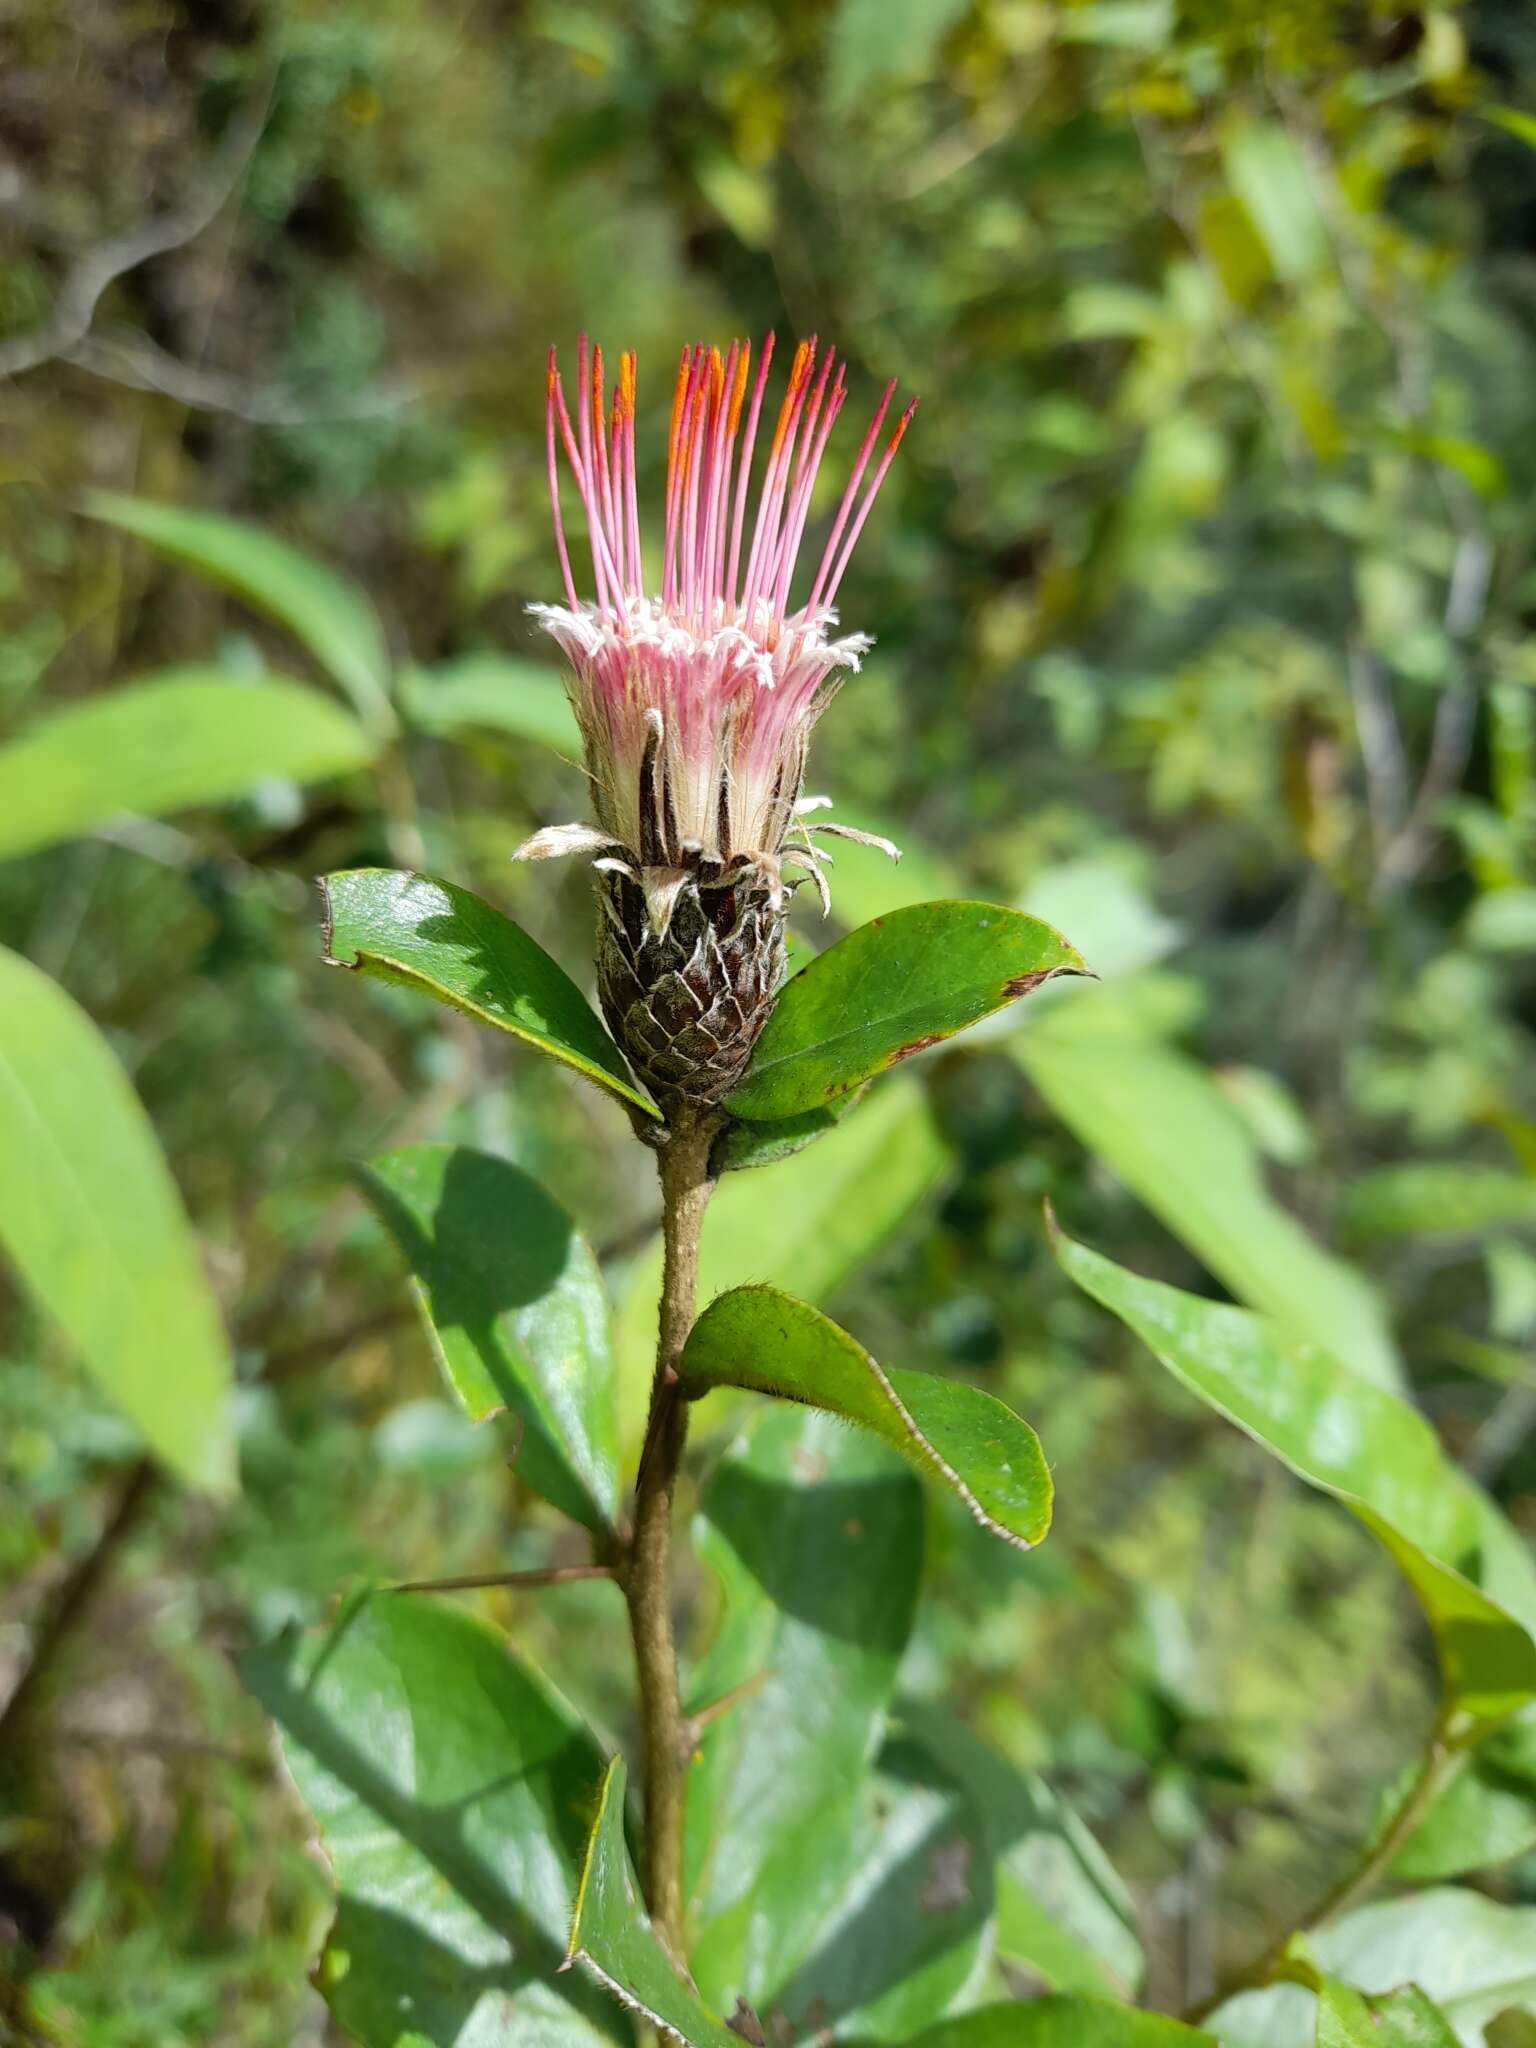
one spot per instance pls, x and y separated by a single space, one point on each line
696 702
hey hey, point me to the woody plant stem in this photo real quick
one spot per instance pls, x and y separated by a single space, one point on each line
686 1186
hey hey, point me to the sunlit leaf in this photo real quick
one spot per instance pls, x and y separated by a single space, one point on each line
514 1304
1346 2018
445 942
449 1785
494 693
1160 1122
1485 1816
1269 175
1061 2023
893 988
1438 1198
1351 1439
814 1536
93 1224
331 616
955 1434
612 1939
189 736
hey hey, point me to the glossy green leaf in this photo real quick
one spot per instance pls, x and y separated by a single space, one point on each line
1468 1956
495 693
805 1223
747 1144
1062 1912
1349 1438
965 1439
190 736
1485 1816
92 1222
514 1305
612 1939
331 616
890 989
1060 2023
1438 1198
814 1536
445 942
449 1785
1162 1125
908 1935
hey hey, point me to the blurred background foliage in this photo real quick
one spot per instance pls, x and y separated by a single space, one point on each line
1203 592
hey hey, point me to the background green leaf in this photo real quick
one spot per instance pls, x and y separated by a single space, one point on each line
814 1536
190 736
1059 2023
1485 1816
1438 1198
1160 1123
493 693
958 1435
892 988
331 616
1353 1440
514 1305
437 938
94 1225
449 1785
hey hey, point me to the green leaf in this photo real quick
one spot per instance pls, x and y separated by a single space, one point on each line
814 1536
429 935
908 1934
450 1787
1162 1124
612 1939
807 1223
1403 2019
871 41
1060 2023
764 1144
1468 1957
890 989
514 1305
1511 2028
1350 1439
1266 170
1438 1198
190 736
1061 1910
331 616
91 1219
757 1337
497 692
1485 1816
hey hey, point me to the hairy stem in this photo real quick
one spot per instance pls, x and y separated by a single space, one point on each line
686 1187
1442 1759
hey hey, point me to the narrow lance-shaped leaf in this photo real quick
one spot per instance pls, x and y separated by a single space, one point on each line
332 617
93 1222
965 1439
190 736
1349 1438
890 989
612 1939
449 944
1438 1198
449 1784
513 1302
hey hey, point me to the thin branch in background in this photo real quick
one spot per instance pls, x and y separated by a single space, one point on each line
90 275
551 1575
1381 746
1450 743
140 364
